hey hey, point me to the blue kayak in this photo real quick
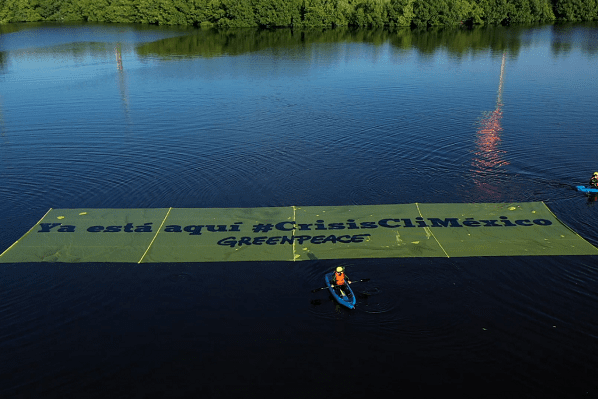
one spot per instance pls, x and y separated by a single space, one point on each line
586 189
342 294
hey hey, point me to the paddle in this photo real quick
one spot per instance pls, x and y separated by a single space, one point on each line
352 282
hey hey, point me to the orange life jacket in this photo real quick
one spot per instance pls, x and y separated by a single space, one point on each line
339 280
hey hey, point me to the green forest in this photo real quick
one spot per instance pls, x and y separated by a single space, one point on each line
301 13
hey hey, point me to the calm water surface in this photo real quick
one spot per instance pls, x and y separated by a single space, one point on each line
124 116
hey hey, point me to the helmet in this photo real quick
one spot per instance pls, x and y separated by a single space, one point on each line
339 269
595 173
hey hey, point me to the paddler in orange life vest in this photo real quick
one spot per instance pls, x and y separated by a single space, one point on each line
340 277
594 180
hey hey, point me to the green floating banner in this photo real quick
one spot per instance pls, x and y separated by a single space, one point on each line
296 233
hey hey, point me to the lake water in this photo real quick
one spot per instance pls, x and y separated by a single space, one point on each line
125 116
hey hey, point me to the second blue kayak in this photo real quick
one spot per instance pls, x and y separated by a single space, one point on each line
586 189
343 294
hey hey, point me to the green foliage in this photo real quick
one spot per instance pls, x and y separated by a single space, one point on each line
576 10
469 12
297 13
174 12
432 13
370 13
543 10
236 14
95 10
400 12
120 11
66 11
495 12
147 12
273 13
324 13
446 12
20 11
530 11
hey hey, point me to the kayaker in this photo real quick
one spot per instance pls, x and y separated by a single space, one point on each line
340 277
594 180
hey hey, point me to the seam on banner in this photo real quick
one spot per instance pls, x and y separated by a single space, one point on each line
293 234
569 228
157 232
429 230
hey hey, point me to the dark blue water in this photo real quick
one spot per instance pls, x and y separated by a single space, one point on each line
122 116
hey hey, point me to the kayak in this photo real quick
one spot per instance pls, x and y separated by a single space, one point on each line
587 189
343 294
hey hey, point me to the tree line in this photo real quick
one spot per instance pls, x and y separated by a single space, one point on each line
301 13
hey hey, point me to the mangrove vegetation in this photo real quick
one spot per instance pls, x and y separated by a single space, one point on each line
301 13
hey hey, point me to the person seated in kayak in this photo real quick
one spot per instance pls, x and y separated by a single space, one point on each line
594 180
340 277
